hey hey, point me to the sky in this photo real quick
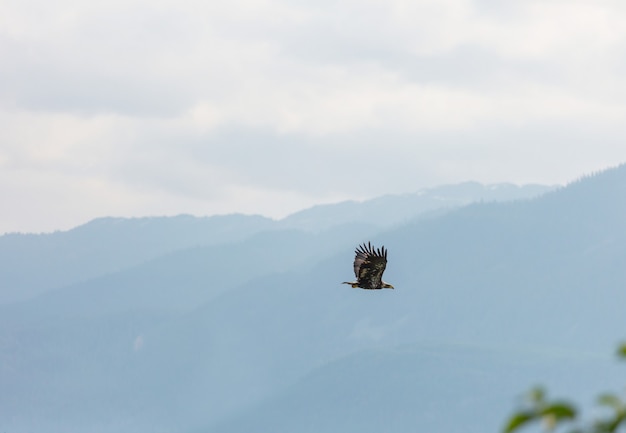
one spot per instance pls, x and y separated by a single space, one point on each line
138 108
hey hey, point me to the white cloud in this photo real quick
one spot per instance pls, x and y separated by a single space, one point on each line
137 107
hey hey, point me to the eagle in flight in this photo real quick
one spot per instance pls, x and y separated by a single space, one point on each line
369 265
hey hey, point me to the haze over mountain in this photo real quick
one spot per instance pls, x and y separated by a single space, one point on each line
33 263
255 333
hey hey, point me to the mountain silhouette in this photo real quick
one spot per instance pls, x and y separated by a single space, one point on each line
258 334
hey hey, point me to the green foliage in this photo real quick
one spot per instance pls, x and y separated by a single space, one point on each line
618 408
518 420
555 414
621 350
538 408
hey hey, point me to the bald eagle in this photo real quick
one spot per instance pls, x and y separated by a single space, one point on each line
369 265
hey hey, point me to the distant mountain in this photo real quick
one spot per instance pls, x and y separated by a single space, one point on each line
185 279
34 263
31 264
390 210
261 333
427 387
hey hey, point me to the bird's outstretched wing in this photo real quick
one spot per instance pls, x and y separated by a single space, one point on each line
369 265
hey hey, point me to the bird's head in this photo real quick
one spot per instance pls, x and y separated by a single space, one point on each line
387 286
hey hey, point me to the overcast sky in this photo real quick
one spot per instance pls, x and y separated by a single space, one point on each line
162 107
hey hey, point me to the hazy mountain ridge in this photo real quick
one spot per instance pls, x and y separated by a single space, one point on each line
424 387
390 210
551 280
445 297
543 273
185 279
34 263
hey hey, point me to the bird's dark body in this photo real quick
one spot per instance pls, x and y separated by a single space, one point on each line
369 265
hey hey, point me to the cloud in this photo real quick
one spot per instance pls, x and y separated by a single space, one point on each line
140 107
163 58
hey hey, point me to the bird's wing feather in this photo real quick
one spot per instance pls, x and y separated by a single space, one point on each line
361 257
369 265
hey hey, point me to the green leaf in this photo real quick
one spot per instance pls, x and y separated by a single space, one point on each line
609 426
611 401
537 395
621 350
560 411
614 424
518 420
